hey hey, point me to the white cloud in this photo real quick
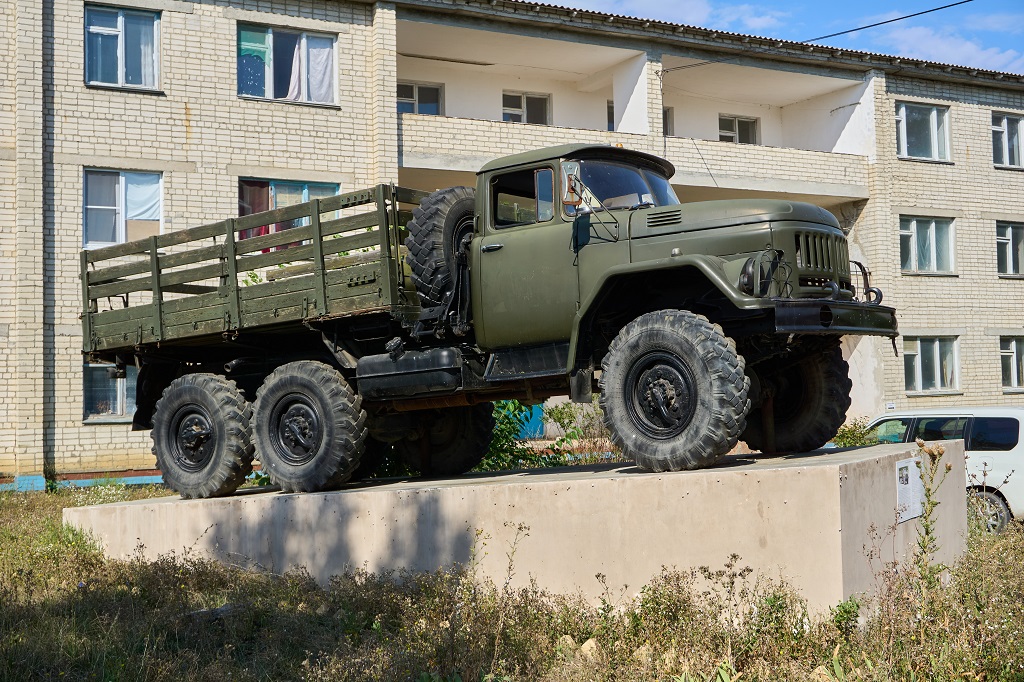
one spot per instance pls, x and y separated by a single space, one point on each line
947 46
996 23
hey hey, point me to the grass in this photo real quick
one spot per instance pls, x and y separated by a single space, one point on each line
67 613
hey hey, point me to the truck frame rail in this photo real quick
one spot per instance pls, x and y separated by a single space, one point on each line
290 265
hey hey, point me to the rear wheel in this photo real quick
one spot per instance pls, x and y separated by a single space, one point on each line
673 391
202 437
991 508
810 398
452 440
310 427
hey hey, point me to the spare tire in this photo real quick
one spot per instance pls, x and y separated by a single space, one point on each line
438 225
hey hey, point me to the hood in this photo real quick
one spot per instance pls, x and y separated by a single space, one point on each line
707 215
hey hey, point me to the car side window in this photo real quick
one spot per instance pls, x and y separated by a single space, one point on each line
889 431
940 428
523 197
994 434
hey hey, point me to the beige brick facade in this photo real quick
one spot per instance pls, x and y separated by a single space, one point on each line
202 137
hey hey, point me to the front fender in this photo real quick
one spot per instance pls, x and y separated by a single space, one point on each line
709 266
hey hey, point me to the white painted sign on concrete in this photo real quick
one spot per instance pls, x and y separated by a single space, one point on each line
909 490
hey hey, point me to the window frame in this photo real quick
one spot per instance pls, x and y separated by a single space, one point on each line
1015 353
493 211
268 66
901 131
416 85
522 110
1014 266
121 415
119 32
271 200
735 132
912 233
1004 129
122 202
917 354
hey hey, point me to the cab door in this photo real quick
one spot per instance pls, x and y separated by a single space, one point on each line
525 287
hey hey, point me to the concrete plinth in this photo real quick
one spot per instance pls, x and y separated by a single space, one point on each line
807 518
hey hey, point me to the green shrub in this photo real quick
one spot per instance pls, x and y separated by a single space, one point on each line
853 433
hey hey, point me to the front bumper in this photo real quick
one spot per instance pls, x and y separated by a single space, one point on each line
827 316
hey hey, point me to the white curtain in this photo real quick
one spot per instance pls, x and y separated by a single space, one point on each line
140 48
142 200
295 84
320 62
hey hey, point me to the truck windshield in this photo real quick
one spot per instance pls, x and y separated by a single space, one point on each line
619 185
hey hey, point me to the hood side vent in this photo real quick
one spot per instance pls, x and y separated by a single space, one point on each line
664 218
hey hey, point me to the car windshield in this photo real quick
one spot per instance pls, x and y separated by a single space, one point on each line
619 185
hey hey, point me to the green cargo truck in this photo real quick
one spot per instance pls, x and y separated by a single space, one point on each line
342 326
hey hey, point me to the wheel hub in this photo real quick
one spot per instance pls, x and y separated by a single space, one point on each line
299 431
664 396
193 438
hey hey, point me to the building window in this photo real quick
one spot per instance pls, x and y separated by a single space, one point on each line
419 98
1011 357
256 196
522 107
121 47
611 115
922 131
926 244
737 129
120 206
1006 140
107 392
930 364
285 65
668 121
1010 248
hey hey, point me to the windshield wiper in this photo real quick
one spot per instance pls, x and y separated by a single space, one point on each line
642 204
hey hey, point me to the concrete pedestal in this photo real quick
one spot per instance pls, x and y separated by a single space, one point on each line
807 518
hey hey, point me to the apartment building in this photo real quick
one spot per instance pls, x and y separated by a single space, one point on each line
125 118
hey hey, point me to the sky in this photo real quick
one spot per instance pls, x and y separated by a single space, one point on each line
986 34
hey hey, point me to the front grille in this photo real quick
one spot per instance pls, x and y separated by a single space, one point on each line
822 255
822 282
664 218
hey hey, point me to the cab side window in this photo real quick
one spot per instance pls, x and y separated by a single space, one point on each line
994 434
890 431
940 428
523 197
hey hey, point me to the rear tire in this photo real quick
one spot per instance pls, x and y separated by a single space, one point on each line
673 391
992 510
310 427
810 404
202 437
437 227
457 440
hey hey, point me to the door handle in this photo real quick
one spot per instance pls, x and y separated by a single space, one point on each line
490 247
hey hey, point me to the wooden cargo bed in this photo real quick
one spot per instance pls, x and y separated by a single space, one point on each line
312 261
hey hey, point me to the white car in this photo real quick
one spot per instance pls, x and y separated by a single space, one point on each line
992 439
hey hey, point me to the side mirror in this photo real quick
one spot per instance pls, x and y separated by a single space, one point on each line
572 195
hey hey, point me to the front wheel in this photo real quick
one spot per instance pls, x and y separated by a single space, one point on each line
310 427
810 397
201 436
991 509
673 391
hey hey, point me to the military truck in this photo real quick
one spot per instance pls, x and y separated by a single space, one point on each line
315 336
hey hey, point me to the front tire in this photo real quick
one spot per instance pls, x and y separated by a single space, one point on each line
811 398
310 427
457 440
202 436
673 391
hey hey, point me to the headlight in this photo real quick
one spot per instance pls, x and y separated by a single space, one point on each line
747 280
